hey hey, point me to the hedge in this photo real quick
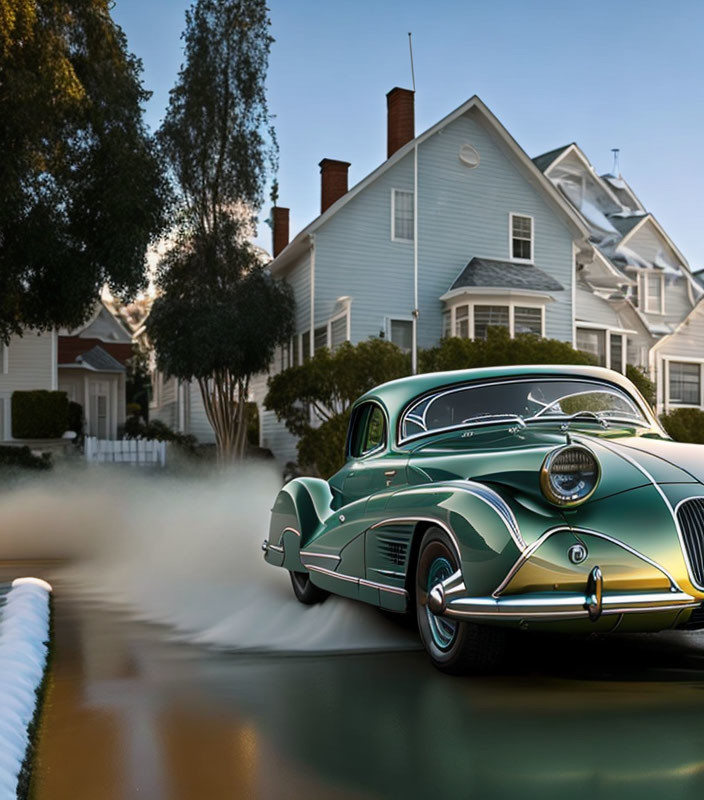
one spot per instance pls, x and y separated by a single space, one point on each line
39 414
24 458
685 425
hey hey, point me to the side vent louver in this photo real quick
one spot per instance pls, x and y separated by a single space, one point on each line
690 516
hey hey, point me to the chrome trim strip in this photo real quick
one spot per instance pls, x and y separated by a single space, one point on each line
311 554
538 542
360 581
275 547
389 573
668 505
292 530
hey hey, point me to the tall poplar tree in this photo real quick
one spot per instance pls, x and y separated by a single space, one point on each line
219 315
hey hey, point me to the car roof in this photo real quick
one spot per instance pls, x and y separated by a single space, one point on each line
395 395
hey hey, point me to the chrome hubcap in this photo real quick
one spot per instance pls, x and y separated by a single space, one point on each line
442 630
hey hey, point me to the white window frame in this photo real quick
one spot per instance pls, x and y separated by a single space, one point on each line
346 314
509 303
608 333
395 318
395 238
667 402
644 294
530 260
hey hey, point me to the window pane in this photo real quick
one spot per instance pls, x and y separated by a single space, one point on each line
462 322
522 237
294 346
338 332
654 292
375 430
617 352
306 345
446 322
403 215
594 342
685 383
402 333
486 317
321 337
528 320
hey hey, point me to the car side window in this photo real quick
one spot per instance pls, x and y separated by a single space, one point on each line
367 430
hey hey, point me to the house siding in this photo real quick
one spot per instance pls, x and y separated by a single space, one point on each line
462 213
29 362
686 344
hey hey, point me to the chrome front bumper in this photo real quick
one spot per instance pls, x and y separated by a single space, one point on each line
449 599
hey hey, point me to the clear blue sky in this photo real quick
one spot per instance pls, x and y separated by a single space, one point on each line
604 73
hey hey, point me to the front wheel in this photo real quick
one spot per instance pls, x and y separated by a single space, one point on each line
306 592
455 647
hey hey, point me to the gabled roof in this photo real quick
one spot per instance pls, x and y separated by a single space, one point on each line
621 187
98 360
487 272
542 162
300 243
650 218
625 225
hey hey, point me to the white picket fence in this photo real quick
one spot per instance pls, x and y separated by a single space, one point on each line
139 452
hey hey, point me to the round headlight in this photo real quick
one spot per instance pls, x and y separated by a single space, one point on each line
570 475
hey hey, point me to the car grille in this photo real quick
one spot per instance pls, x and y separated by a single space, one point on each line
690 516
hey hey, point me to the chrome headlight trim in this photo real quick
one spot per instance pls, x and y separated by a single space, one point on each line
546 472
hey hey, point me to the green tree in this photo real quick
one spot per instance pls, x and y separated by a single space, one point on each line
499 349
219 315
82 191
323 388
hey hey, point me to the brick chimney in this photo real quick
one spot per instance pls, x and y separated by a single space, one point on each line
279 229
333 182
400 127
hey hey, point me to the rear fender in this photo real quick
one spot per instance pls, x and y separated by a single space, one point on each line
300 511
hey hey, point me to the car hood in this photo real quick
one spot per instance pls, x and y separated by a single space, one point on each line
513 458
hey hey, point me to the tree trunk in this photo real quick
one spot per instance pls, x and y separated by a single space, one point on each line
225 403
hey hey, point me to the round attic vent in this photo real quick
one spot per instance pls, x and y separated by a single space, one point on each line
469 155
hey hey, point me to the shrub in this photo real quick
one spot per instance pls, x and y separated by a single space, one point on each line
645 386
685 425
499 349
39 414
23 458
75 417
136 429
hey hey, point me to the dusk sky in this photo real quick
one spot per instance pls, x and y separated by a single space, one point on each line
604 74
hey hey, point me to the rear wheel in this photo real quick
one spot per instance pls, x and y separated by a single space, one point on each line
306 592
455 647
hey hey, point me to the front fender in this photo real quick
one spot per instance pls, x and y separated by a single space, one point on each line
300 510
489 528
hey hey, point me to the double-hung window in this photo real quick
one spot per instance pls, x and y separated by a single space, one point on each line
593 341
521 238
486 317
685 383
653 284
401 333
401 215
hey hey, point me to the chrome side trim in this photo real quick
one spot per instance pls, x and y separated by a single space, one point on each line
311 554
292 530
668 505
389 573
275 547
360 581
674 586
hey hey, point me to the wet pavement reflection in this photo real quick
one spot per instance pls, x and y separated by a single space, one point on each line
130 713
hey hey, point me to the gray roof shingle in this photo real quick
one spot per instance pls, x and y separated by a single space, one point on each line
100 360
488 272
542 162
625 224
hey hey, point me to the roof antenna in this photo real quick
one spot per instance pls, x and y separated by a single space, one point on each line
616 171
410 49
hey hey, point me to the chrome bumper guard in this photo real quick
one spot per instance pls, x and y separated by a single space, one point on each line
449 599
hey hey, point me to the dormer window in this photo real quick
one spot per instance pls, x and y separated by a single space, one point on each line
653 292
521 238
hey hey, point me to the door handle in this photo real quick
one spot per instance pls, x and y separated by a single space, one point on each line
390 473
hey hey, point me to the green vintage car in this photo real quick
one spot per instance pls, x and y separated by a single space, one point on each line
538 497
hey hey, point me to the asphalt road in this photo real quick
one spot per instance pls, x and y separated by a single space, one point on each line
131 713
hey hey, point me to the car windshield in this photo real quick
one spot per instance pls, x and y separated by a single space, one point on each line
521 401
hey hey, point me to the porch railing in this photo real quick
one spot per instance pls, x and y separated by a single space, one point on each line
139 452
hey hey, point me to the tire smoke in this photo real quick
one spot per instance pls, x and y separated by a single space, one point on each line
184 553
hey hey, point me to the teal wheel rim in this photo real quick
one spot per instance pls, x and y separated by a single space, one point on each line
442 630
